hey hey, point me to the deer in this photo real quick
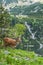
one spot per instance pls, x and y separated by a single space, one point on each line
11 42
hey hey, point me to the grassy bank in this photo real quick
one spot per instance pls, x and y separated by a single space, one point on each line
10 56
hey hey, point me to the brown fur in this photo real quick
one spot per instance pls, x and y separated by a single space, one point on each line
11 42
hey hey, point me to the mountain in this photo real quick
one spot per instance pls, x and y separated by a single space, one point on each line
23 7
33 9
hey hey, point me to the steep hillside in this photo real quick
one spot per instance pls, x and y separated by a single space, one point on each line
24 7
19 57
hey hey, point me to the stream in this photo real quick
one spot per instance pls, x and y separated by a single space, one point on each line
33 36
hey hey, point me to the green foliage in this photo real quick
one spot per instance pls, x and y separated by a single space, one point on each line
36 25
5 20
19 57
17 30
4 17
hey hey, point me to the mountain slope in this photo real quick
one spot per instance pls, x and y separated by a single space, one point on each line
24 7
34 9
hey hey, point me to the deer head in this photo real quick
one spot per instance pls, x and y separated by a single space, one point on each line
18 39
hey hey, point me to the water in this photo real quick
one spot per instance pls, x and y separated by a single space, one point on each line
29 29
33 36
41 45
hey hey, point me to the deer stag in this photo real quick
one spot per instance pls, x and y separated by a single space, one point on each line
11 42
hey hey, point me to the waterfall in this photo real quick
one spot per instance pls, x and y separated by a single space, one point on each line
33 35
29 29
41 45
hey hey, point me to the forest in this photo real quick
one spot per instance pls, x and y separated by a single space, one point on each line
27 34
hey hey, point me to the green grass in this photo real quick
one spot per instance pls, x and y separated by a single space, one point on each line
11 56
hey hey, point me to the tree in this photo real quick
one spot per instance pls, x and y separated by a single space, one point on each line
17 30
5 20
